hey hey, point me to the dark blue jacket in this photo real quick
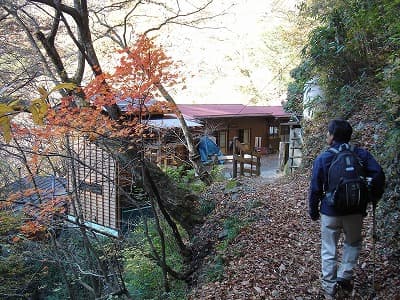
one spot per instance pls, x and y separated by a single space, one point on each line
319 180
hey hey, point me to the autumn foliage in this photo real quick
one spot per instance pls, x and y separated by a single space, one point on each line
86 110
134 80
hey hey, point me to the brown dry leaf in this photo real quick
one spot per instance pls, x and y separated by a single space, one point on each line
277 254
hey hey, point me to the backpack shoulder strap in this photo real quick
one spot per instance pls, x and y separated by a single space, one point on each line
360 161
333 150
345 146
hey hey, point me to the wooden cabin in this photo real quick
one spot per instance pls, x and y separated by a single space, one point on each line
256 126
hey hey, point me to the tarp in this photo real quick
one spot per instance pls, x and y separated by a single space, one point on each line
207 148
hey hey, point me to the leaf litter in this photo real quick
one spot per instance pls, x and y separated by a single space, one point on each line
276 252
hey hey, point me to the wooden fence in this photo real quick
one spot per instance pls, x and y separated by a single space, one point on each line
249 161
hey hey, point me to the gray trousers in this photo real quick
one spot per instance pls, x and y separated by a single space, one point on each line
331 228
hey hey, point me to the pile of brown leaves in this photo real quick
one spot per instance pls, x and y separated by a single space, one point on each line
276 253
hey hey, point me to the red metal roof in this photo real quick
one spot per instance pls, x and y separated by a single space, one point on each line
230 110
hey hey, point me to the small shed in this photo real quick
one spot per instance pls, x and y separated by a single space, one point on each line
167 148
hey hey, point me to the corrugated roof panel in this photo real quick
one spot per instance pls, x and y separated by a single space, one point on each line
171 123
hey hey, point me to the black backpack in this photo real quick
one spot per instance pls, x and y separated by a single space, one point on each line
347 187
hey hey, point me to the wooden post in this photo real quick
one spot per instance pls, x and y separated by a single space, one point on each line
258 167
241 163
251 164
234 161
283 154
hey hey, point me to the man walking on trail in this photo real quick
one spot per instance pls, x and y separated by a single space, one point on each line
335 220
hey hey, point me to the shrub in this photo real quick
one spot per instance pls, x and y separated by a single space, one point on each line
143 277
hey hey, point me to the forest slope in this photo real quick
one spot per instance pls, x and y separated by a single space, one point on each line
274 252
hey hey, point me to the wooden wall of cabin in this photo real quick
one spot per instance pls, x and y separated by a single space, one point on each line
94 179
274 133
266 128
246 128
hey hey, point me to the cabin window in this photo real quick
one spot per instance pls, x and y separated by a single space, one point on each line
244 136
273 131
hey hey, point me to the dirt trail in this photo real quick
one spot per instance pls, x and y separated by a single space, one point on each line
276 253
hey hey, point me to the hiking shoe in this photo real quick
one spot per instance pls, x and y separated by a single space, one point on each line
344 287
329 297
345 284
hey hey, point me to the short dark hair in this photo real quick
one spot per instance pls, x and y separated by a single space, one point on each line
341 130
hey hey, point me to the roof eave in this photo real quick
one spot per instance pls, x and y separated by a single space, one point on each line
232 116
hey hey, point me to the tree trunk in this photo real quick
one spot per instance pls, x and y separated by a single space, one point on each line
193 152
180 204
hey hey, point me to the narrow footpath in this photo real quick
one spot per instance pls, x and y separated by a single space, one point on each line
274 252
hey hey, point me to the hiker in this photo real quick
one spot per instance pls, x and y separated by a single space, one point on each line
335 220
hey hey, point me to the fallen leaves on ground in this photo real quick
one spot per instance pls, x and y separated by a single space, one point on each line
276 252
